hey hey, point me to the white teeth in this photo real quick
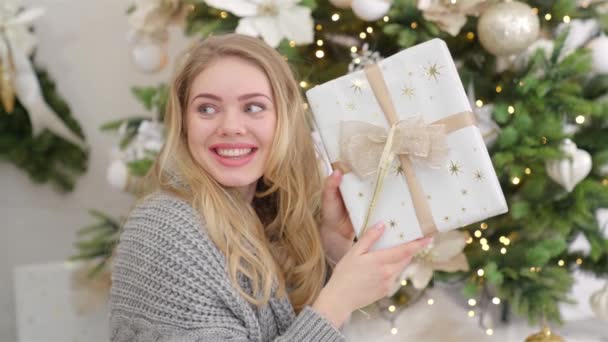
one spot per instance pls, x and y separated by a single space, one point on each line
233 152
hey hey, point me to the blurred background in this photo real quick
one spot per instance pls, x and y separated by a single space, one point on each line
83 86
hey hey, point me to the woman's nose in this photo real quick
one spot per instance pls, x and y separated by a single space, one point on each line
231 124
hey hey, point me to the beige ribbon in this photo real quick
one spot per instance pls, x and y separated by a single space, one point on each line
409 139
361 143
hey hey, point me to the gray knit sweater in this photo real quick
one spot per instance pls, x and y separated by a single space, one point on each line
170 283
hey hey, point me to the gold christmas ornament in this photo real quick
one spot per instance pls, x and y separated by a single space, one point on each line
508 28
7 90
546 335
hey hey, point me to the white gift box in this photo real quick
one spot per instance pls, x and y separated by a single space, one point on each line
47 309
421 81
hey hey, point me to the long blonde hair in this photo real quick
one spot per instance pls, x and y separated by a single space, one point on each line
277 238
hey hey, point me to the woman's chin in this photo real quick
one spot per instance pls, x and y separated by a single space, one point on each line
237 182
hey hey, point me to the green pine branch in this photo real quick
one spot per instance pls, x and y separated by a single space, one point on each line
46 158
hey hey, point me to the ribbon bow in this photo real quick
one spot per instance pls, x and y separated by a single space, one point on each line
362 144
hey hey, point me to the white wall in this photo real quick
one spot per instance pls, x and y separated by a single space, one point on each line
82 45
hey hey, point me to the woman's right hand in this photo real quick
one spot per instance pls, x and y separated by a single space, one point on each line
362 277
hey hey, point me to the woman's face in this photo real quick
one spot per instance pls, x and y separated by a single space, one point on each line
230 120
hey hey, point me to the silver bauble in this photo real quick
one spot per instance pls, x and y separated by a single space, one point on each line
370 10
599 52
508 28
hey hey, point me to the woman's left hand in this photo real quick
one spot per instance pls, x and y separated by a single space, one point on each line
337 232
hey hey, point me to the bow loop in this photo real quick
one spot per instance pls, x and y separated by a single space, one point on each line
361 144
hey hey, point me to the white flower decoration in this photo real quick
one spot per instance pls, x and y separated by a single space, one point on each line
152 17
450 16
363 58
443 254
273 20
15 25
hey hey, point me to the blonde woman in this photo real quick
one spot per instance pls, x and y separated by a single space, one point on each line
237 242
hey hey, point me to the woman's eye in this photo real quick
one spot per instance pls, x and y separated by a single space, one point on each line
254 108
206 109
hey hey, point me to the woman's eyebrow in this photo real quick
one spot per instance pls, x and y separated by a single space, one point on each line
208 96
248 96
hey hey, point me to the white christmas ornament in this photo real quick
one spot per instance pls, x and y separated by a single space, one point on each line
599 54
599 303
522 60
568 172
579 32
273 20
341 3
508 28
118 175
487 126
370 10
150 56
604 170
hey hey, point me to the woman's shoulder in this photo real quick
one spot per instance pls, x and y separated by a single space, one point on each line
165 268
165 225
163 212
163 203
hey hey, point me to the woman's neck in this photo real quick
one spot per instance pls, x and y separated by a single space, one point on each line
248 191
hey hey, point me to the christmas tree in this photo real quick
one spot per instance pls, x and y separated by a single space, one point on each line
537 76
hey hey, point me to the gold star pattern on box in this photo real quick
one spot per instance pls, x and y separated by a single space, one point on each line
464 210
454 168
402 236
408 91
478 175
360 194
464 192
357 86
350 106
392 224
398 169
432 71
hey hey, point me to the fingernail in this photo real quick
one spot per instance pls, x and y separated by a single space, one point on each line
378 225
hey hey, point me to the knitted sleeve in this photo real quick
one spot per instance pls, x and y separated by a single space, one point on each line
170 283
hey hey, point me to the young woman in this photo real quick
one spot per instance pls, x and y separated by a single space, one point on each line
237 243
